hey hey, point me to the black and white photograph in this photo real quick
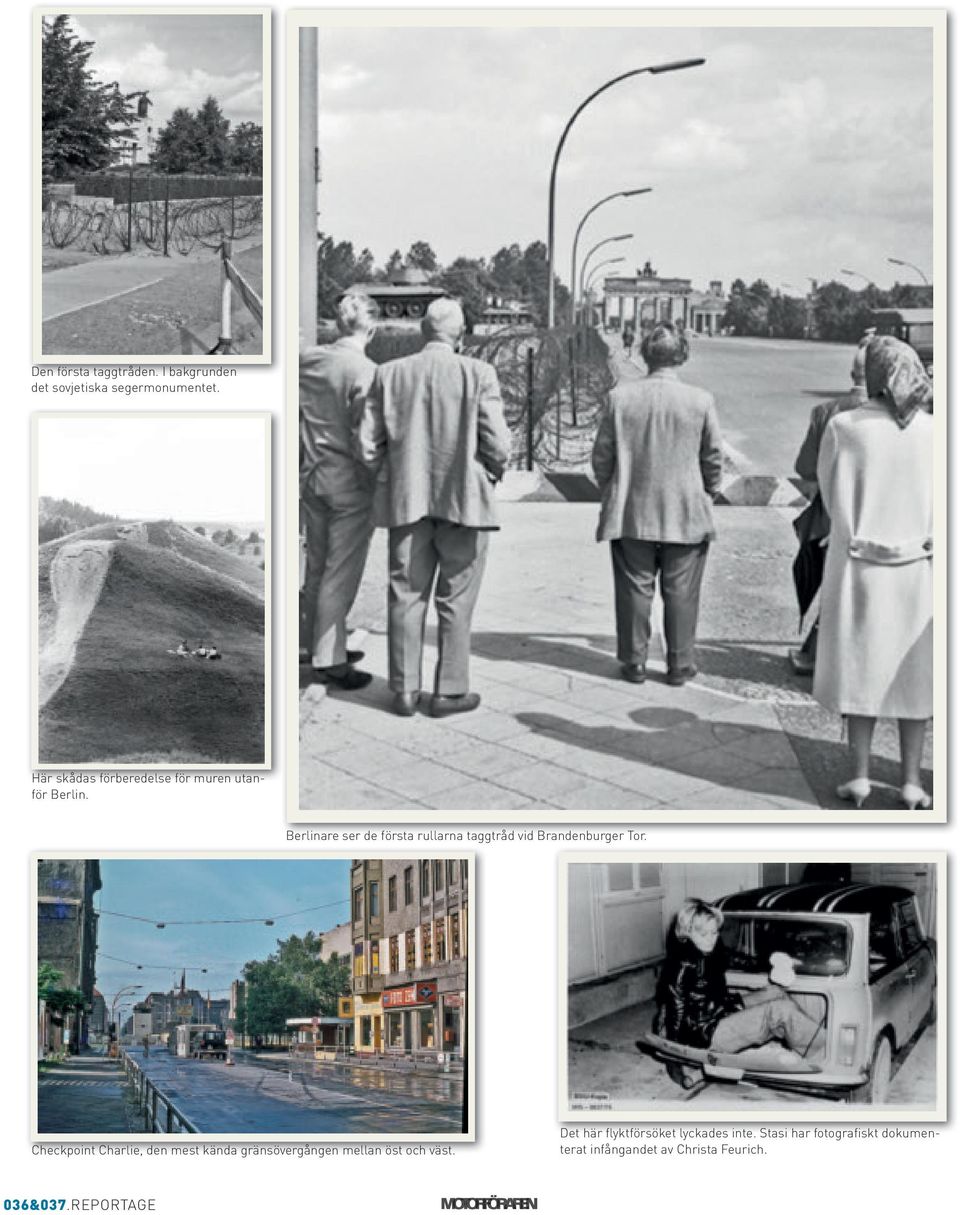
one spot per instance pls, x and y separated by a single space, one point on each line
152 560
257 996
752 987
152 157
619 470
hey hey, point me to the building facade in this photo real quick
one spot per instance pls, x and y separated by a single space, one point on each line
410 956
67 941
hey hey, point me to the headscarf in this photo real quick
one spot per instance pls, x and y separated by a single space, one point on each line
896 375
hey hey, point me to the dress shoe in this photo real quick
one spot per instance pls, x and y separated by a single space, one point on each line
354 656
443 706
405 703
632 672
681 675
348 680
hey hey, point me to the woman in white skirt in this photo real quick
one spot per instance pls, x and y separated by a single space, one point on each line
875 651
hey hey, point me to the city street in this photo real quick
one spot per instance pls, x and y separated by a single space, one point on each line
272 1095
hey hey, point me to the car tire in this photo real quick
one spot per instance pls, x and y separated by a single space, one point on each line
877 1087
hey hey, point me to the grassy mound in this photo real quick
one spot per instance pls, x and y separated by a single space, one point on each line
125 694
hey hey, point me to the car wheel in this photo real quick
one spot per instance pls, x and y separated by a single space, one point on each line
877 1088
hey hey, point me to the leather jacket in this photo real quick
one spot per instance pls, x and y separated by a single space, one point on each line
692 994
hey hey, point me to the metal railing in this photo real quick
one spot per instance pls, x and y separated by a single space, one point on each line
160 1115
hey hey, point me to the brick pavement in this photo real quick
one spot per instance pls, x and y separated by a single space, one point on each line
559 733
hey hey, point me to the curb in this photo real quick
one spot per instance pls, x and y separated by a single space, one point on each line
541 485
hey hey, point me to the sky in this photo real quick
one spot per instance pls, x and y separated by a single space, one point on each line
180 60
177 889
181 467
792 153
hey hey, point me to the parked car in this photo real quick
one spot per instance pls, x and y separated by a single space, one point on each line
860 950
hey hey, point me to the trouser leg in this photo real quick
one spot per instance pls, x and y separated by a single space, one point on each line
349 528
788 1019
681 575
316 517
462 553
413 564
634 582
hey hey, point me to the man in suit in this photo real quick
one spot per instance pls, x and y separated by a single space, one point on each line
435 420
336 490
658 461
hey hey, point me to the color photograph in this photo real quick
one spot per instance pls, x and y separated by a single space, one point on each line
253 996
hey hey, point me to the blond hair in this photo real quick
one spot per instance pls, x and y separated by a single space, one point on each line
692 911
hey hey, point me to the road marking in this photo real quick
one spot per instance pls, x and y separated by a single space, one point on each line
103 299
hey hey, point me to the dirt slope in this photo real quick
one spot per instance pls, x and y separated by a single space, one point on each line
114 600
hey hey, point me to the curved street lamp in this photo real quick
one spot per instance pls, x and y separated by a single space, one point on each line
610 240
593 274
896 261
652 70
856 274
576 238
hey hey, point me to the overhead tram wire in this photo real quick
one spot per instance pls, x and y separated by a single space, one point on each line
160 922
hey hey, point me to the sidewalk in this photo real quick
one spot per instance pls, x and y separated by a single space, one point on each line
558 729
83 1096
137 305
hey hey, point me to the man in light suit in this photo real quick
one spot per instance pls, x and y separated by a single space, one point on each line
658 461
336 490
435 420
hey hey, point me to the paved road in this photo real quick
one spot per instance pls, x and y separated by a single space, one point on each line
131 304
765 390
260 1096
84 1095
558 729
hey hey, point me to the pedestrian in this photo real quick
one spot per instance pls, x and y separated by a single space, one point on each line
695 1007
875 648
812 525
336 491
628 335
435 421
146 1047
658 461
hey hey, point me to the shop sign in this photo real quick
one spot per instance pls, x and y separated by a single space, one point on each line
452 1001
405 997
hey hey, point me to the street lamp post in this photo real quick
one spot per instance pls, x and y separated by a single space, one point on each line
652 70
593 274
124 991
857 274
610 240
897 261
576 238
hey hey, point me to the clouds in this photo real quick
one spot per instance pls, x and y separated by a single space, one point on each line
785 140
180 61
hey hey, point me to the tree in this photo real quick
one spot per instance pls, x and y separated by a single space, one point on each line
468 281
422 257
81 115
214 133
201 530
58 999
292 982
393 266
246 149
337 269
254 537
178 144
